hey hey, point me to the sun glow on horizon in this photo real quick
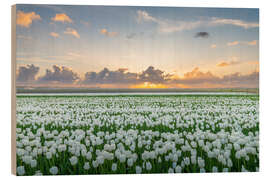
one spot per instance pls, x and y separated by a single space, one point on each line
149 85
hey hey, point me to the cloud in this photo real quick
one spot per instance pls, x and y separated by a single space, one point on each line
197 77
213 46
121 76
61 18
72 32
27 73
144 16
251 79
75 55
24 37
107 33
153 75
202 35
131 35
106 76
86 23
26 19
234 43
170 26
234 22
223 64
234 61
134 35
54 34
165 25
254 62
59 74
250 43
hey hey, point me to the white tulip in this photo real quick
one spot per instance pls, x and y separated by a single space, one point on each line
33 163
138 170
202 170
38 173
54 170
148 166
49 155
170 170
178 169
114 167
214 169
130 162
20 170
73 160
86 166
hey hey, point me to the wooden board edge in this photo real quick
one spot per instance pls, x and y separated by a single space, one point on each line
13 89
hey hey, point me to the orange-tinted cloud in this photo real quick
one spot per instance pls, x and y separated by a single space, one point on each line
197 78
107 33
252 43
72 32
234 43
54 34
213 46
234 61
122 69
62 18
26 19
222 64
197 74
254 62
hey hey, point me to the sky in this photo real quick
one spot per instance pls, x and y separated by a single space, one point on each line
137 47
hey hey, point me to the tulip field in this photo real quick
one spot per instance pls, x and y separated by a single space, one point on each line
129 134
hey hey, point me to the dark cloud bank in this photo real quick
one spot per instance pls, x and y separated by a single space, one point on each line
27 73
59 74
121 76
64 75
202 35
